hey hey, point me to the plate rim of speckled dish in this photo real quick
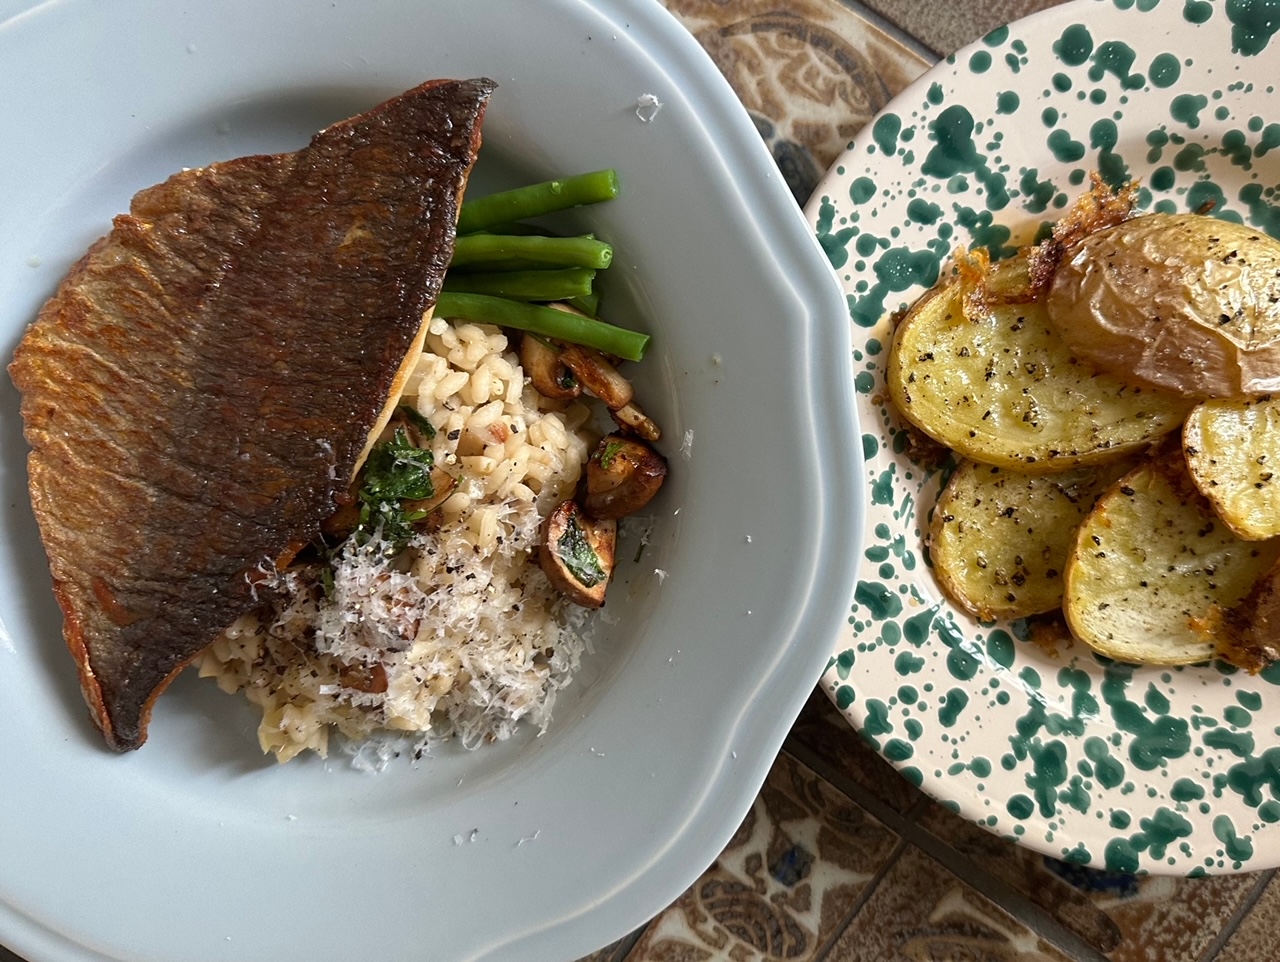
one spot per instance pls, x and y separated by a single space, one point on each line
995 728
195 847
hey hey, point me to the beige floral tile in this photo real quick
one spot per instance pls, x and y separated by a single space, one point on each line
1171 919
1128 918
608 954
1025 871
946 27
920 912
1257 939
825 732
785 883
810 72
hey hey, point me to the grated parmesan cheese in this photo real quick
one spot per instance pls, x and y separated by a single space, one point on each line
686 445
647 107
461 636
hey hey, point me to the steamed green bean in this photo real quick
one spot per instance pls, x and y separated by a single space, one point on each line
480 249
549 285
537 199
547 321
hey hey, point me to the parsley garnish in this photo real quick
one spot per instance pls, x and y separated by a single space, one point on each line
414 417
578 555
396 471
611 450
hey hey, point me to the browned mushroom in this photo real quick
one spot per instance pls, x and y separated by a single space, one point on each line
577 553
631 418
597 375
550 378
623 475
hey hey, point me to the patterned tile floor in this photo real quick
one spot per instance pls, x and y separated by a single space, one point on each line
840 859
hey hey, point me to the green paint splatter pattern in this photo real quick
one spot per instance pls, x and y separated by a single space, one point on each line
1117 766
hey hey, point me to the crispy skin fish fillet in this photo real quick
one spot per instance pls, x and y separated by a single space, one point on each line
203 385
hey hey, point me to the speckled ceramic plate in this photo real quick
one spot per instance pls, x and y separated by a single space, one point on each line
1127 768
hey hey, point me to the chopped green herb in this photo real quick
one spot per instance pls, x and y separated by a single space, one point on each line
578 555
390 522
396 471
412 415
611 451
326 579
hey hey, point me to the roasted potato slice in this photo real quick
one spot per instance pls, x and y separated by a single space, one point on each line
1183 302
1233 453
1006 390
1150 565
999 539
1248 635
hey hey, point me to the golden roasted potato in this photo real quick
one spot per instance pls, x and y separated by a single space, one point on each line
999 539
1248 635
1232 448
1182 302
1152 563
1006 390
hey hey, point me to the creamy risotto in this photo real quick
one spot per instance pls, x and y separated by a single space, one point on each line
459 636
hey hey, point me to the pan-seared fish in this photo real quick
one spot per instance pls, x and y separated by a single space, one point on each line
203 385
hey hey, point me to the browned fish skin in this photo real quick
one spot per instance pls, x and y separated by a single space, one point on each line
197 392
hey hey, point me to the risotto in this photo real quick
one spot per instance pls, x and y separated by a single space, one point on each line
458 636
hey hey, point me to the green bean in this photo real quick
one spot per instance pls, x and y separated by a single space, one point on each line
526 230
537 199
572 282
506 249
546 321
588 303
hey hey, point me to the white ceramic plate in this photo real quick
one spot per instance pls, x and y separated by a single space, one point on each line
1120 767
195 847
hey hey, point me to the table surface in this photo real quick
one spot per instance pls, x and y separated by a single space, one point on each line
840 859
